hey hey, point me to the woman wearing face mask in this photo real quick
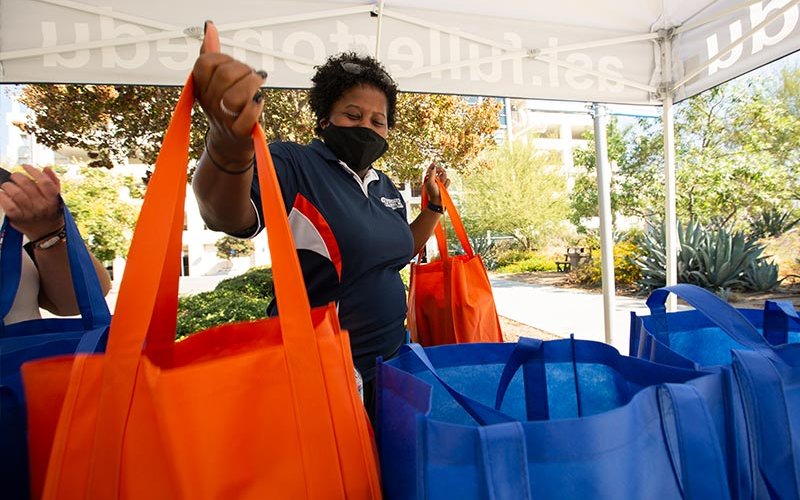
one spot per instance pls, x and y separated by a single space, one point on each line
348 219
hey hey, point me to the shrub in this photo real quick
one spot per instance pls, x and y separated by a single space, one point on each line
511 256
626 271
590 274
521 261
241 298
256 282
785 252
204 310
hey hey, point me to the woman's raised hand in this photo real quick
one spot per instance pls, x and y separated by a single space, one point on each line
31 202
229 93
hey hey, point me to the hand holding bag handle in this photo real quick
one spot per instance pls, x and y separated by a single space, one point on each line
86 285
441 242
455 219
149 275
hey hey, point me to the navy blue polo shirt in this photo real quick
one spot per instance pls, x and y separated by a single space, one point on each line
352 241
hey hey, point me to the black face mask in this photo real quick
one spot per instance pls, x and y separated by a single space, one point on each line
358 147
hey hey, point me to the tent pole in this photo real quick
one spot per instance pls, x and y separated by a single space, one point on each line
670 197
378 34
670 218
599 114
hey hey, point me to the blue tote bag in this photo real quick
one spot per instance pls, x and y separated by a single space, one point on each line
761 380
705 336
34 339
556 419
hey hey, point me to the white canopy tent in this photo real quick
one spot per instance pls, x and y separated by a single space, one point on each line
654 52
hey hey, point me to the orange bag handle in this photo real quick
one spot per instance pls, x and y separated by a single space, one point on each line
152 272
455 219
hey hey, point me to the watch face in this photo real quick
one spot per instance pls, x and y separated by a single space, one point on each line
49 242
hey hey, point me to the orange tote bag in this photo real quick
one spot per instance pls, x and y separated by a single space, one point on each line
450 300
262 409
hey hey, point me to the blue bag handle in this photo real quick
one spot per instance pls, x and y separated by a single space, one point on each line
722 314
529 354
768 422
776 320
481 413
91 302
690 435
504 459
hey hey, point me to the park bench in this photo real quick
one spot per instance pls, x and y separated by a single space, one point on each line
572 259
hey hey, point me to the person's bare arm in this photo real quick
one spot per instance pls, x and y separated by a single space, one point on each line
228 92
56 293
422 227
32 206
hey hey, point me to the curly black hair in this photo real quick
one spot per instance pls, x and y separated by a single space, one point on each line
340 73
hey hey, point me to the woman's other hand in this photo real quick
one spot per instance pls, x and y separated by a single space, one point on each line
229 93
433 173
31 202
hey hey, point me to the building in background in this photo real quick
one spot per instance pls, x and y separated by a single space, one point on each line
549 126
17 147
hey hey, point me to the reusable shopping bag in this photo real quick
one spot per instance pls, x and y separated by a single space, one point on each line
39 338
560 419
705 336
450 300
762 380
260 409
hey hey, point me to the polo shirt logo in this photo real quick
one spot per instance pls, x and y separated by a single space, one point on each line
393 203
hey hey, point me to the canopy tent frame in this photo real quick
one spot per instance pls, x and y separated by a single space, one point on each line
664 85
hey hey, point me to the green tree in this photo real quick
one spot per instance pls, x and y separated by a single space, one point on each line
113 123
737 157
105 218
521 193
635 154
229 247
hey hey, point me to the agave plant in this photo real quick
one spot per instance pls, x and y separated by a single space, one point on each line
723 260
716 260
653 262
773 222
762 276
484 246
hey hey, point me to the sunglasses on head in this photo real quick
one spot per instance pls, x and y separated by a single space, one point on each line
356 69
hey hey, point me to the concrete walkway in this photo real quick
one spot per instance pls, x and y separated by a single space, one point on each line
562 311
